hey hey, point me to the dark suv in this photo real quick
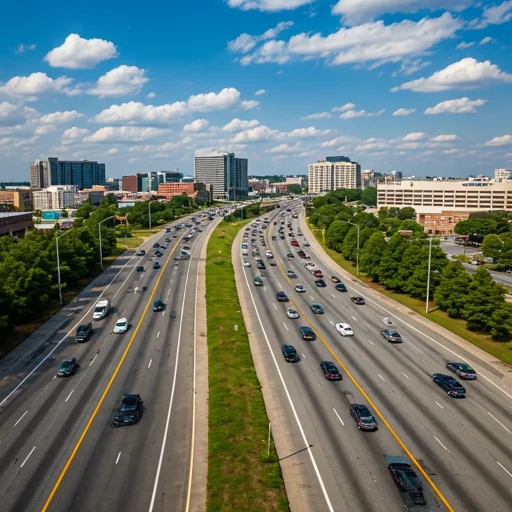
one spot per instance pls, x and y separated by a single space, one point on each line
307 333
130 411
363 417
281 297
84 332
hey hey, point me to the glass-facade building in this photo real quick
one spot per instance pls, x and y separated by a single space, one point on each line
83 174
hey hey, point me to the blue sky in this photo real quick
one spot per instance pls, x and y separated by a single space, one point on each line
398 84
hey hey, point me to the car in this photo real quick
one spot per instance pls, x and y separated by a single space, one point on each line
318 273
300 288
330 370
158 306
269 254
302 254
450 385
290 256
309 265
358 300
341 287
263 243
295 243
344 329
363 417
246 263
291 273
83 332
121 326
282 297
130 411
272 263
163 247
274 238
463 370
101 309
289 353
258 281
140 252
306 244
260 265
156 245
320 283
256 253
159 254
307 333
292 313
391 336
406 479
300 234
156 265
168 239
335 279
67 367
139 269
317 309
281 237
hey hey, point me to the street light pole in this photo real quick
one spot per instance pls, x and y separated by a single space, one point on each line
99 232
428 275
58 263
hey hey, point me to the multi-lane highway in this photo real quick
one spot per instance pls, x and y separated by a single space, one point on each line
57 449
460 448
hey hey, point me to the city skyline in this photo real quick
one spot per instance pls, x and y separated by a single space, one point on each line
281 83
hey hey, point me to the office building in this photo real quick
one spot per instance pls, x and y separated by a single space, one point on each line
227 174
83 173
300 180
112 185
15 198
200 192
129 183
333 173
502 174
55 197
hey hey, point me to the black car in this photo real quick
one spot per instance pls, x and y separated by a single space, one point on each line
130 411
67 367
260 265
290 255
282 237
156 265
358 300
450 385
341 287
163 247
140 268
272 263
317 309
463 370
84 332
363 417
156 245
168 239
158 306
159 254
258 281
330 370
274 238
391 336
406 479
282 297
320 283
140 252
289 353
307 333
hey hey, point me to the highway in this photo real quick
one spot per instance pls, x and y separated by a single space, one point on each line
460 448
57 449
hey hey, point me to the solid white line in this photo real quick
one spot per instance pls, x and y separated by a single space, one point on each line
118 457
404 374
32 451
21 418
176 365
497 420
69 396
54 377
504 469
371 342
150 361
441 444
286 327
439 404
158 334
354 318
304 438
336 412
381 377
274 305
93 359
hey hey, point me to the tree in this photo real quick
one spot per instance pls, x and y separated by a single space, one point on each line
369 196
451 294
371 255
491 247
407 213
335 235
390 261
349 247
294 189
501 323
412 225
476 226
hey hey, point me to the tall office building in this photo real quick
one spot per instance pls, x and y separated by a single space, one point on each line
227 174
83 174
333 173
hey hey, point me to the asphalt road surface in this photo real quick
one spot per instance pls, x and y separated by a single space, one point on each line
460 448
57 449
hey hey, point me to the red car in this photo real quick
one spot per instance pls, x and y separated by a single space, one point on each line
295 243
318 273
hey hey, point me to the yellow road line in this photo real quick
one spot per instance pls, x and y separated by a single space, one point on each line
110 382
368 399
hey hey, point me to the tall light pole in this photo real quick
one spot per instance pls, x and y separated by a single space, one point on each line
58 262
99 231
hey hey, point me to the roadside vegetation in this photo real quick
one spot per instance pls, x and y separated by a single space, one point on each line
241 475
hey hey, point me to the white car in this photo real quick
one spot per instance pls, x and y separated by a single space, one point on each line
121 326
310 265
269 254
344 329
247 263
300 288
292 313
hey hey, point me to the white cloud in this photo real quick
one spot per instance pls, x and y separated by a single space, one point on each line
71 135
464 45
151 95
113 151
495 15
196 126
344 108
45 129
77 53
60 117
410 66
13 115
352 114
403 112
260 92
255 134
132 160
240 124
38 83
226 98
306 132
452 151
486 40
268 5
22 48
245 42
337 141
466 74
372 144
444 138
355 12
119 82
458 106
319 115
414 136
124 134
285 148
248 104
500 141
307 154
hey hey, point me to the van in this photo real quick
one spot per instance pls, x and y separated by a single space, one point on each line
101 309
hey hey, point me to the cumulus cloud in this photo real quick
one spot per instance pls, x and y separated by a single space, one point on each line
124 134
245 42
354 12
352 114
306 132
60 117
214 101
486 40
248 104
337 141
466 74
372 144
38 83
22 48
45 129
240 124
500 141
71 135
119 82
403 112
464 45
285 148
495 15
151 95
14 115
77 53
268 5
318 115
411 66
414 136
255 134
444 138
344 108
196 126
113 151
260 92
458 106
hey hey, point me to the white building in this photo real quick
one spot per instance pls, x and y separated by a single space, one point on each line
328 175
55 197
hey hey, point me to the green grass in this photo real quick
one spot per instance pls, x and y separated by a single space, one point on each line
502 351
241 476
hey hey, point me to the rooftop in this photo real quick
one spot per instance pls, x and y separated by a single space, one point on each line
12 214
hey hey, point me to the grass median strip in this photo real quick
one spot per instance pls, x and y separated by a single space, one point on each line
241 476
